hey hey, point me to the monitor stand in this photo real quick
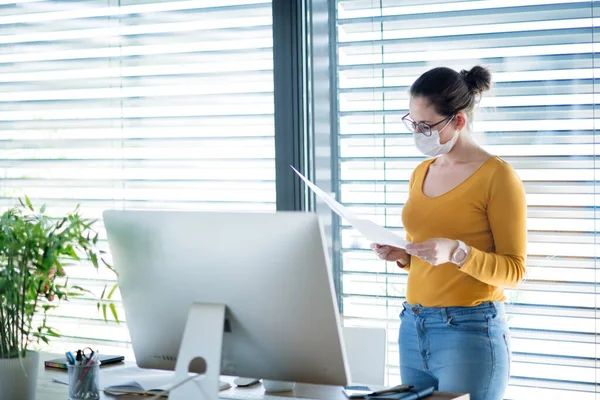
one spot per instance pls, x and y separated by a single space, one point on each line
202 338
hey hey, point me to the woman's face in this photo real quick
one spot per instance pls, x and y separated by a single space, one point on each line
421 111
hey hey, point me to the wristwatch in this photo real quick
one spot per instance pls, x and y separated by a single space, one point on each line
459 255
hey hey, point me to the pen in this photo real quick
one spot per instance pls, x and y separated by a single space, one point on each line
70 358
79 371
77 386
87 380
399 388
87 370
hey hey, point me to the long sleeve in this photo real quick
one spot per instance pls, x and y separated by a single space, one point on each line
411 183
507 216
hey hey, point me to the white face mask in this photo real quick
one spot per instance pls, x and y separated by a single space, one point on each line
431 146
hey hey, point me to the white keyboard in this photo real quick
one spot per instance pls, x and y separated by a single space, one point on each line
238 395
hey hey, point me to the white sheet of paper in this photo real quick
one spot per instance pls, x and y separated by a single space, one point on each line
131 377
330 201
135 378
369 229
146 379
378 234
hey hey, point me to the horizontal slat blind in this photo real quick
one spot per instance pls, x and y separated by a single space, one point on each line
540 117
134 104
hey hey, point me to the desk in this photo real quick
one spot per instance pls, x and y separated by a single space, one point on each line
48 390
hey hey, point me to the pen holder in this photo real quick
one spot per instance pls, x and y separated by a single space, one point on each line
84 381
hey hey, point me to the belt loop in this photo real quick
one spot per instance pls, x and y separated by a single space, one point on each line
444 312
494 308
501 307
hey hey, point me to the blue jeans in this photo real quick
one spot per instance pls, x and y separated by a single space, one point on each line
456 349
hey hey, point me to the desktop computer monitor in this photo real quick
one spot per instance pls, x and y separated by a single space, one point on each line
270 270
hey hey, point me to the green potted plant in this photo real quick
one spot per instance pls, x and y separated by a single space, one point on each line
34 248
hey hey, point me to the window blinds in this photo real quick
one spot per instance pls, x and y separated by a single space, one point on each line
541 117
134 104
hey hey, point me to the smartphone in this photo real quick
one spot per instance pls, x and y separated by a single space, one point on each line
357 392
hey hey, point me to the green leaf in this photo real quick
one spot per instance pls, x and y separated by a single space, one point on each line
94 259
108 265
98 305
29 205
113 309
51 332
81 289
104 311
71 252
61 223
112 291
103 292
43 209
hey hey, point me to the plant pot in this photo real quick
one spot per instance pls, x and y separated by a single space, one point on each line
19 381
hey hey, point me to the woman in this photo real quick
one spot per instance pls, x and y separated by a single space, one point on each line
465 218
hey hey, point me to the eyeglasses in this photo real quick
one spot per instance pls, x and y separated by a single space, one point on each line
422 127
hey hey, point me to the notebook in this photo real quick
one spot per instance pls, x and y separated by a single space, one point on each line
412 394
134 380
61 363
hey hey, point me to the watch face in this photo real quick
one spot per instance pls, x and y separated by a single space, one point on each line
459 255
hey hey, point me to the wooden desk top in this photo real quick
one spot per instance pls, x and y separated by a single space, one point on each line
48 390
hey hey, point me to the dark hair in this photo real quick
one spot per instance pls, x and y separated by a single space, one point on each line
449 91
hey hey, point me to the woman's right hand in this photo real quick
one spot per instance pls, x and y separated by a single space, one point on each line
391 253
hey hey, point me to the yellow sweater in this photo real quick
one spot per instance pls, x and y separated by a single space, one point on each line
487 212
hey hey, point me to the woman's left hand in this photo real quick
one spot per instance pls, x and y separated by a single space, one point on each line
434 251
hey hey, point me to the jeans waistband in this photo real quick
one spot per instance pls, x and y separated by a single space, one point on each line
492 307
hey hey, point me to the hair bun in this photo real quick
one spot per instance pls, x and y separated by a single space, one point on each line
478 79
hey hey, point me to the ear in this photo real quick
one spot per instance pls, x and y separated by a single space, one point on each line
460 120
